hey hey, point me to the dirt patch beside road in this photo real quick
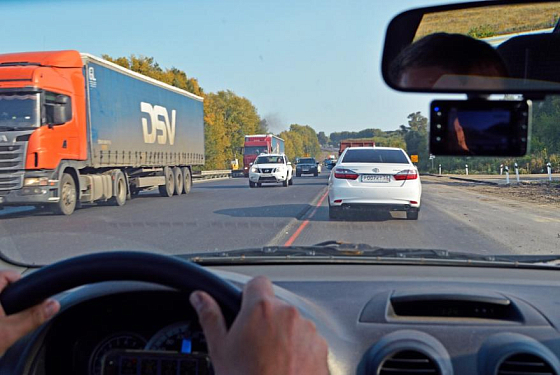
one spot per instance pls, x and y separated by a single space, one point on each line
530 192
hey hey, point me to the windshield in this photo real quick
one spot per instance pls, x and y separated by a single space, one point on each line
375 156
254 150
269 160
19 111
160 162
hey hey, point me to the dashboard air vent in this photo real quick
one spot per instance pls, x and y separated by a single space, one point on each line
408 362
525 364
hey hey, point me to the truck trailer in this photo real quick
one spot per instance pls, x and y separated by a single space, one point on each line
75 128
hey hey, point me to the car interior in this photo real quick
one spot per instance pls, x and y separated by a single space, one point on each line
384 315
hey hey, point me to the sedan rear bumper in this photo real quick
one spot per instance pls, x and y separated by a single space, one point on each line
342 194
378 207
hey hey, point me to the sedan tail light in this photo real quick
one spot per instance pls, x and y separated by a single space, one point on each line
346 174
407 174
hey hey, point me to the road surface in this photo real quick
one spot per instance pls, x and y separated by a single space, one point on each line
227 214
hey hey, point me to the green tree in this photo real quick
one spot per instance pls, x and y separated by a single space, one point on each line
323 138
235 117
416 138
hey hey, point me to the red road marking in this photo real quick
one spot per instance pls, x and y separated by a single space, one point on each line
306 221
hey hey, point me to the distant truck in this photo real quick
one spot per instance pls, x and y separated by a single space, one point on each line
354 143
75 129
257 144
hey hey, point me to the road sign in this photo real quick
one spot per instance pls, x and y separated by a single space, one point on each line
414 158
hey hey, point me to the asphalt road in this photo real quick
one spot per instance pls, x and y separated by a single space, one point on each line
227 214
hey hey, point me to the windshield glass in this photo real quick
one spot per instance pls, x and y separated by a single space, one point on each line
19 111
375 156
176 135
254 150
269 160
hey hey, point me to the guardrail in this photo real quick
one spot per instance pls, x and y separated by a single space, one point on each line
207 175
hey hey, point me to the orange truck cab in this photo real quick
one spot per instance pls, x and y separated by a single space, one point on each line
77 129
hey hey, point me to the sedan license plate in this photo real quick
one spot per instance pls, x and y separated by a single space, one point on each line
375 178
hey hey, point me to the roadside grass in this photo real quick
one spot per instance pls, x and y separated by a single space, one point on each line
485 22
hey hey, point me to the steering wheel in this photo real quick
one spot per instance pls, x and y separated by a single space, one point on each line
118 266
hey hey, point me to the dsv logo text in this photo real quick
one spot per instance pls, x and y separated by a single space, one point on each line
161 128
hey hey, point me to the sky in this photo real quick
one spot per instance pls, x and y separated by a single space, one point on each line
312 62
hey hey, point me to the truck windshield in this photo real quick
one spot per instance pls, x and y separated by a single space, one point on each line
254 150
19 111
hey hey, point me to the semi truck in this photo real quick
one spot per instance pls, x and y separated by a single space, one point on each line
76 129
255 145
354 143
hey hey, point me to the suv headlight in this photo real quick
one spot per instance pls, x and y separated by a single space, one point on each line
254 169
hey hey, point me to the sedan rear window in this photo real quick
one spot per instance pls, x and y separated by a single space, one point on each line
375 156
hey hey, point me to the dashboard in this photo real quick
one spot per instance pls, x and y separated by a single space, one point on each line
136 327
377 319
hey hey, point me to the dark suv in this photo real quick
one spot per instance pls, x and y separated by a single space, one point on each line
307 166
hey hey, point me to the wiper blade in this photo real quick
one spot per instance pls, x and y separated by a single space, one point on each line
341 250
20 63
13 128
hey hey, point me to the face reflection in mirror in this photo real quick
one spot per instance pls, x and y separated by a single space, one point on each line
446 61
458 140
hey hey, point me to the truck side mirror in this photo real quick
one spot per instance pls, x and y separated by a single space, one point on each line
60 114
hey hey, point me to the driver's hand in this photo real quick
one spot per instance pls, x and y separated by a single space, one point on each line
15 326
268 336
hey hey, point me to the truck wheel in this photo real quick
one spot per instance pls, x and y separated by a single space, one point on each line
251 184
187 180
286 182
121 191
68 196
168 189
178 176
291 181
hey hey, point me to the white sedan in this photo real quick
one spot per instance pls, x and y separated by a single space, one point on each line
374 178
271 168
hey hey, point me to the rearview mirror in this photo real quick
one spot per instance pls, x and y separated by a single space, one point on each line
480 47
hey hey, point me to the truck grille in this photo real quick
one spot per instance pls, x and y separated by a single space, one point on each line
12 163
12 181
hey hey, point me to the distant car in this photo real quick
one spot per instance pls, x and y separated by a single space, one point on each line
307 166
374 178
331 163
271 168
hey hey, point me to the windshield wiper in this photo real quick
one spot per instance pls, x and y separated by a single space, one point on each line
19 63
339 252
13 128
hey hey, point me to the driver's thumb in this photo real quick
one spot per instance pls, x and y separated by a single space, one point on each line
211 319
